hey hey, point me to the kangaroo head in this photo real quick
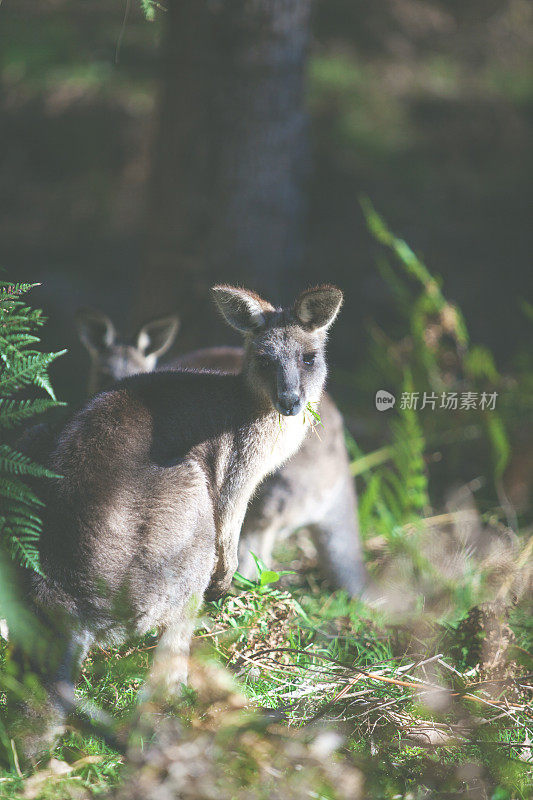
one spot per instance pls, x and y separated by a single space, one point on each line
285 347
113 358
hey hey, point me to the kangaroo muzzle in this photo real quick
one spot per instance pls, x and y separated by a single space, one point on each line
288 400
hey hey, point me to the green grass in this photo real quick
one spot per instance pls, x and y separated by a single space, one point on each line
300 650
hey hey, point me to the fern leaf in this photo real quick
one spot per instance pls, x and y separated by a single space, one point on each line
27 369
18 464
26 552
21 366
13 412
16 490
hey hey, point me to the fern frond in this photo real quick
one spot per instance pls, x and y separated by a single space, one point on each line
148 7
17 509
16 490
19 464
13 412
18 338
25 369
21 366
25 550
8 289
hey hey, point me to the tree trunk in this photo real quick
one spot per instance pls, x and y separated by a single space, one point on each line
226 201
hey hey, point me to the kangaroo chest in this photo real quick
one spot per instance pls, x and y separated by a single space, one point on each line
256 451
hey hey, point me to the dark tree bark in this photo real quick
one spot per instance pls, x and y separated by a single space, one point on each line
226 200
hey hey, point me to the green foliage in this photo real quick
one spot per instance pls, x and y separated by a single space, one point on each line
21 367
428 352
435 327
265 577
396 492
408 456
395 477
149 7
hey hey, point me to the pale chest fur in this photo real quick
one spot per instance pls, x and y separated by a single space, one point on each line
257 451
276 439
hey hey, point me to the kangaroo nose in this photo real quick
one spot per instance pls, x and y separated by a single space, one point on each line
288 404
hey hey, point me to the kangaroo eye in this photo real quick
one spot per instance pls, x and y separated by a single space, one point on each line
309 359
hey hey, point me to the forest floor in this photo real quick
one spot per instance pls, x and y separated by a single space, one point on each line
372 703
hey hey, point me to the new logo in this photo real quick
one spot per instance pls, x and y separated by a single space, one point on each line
384 400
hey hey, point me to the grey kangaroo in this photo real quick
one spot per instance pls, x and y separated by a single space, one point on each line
111 359
157 474
314 489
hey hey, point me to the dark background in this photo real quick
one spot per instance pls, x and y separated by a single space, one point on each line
426 107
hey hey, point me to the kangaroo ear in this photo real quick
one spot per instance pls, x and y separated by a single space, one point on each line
156 337
316 309
241 309
95 330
